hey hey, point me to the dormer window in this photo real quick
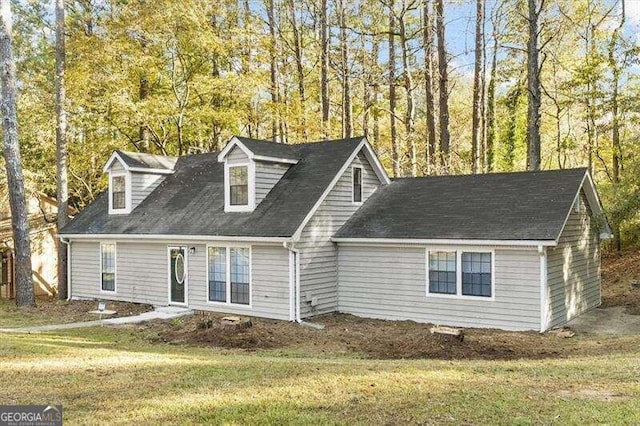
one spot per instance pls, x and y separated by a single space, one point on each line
239 185
119 193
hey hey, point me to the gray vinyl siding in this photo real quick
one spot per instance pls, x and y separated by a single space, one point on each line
390 283
117 167
267 175
573 268
237 154
318 255
143 184
269 284
141 272
142 277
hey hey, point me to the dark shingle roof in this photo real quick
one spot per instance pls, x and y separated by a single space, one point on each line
191 200
500 206
147 161
270 149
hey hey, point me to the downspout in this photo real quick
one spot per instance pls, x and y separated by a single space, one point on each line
68 243
542 251
289 245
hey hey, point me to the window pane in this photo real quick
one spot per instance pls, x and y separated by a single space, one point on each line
476 274
442 272
108 255
357 185
217 274
239 186
118 198
240 275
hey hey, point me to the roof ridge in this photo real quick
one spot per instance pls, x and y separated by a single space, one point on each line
480 175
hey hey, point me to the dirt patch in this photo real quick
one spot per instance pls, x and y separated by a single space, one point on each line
378 339
53 311
593 395
619 271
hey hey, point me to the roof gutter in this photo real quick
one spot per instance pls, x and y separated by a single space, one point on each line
136 237
466 242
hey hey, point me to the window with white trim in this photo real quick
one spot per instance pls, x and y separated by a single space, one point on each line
238 185
119 192
108 267
229 270
460 273
357 185
442 272
476 274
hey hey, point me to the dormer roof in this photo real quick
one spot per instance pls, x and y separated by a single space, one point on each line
260 150
143 162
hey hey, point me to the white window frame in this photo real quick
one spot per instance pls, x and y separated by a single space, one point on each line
115 267
251 186
353 193
127 194
228 302
459 251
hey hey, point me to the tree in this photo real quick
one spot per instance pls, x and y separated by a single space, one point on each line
430 113
13 162
443 88
324 69
409 117
533 85
395 149
478 90
62 184
276 124
347 121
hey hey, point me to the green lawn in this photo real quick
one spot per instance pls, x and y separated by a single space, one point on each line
106 375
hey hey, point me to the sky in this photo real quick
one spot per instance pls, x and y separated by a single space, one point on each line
460 30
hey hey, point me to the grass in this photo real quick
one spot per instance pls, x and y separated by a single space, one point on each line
107 375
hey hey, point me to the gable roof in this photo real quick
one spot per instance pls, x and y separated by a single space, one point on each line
263 150
522 206
190 202
142 162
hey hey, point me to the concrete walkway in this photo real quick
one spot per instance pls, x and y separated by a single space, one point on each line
607 321
164 312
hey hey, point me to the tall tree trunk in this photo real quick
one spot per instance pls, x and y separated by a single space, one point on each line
347 123
276 127
443 86
367 85
408 87
476 132
246 57
533 83
431 141
297 50
324 69
375 50
62 185
491 107
395 151
615 119
13 165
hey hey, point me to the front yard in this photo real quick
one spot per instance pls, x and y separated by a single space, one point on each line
355 371
107 375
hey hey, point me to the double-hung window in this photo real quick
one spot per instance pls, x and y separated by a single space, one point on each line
118 192
357 185
238 185
229 275
108 267
460 273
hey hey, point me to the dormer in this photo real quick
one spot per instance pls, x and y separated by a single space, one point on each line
133 176
251 169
